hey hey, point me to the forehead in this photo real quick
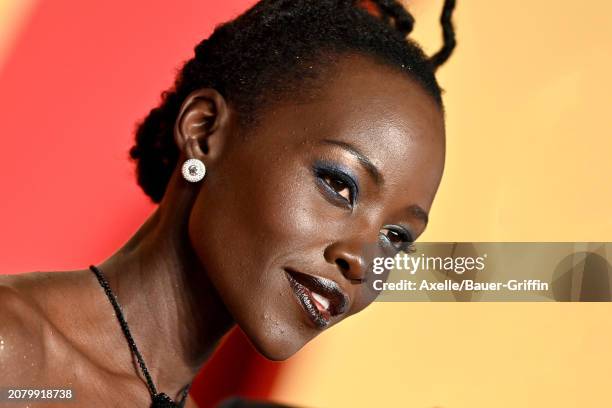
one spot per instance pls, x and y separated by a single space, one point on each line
382 112
358 88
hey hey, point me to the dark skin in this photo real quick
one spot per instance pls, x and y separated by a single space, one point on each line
214 253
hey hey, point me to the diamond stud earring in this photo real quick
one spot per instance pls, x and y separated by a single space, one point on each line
193 170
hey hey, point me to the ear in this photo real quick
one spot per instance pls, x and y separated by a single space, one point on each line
201 128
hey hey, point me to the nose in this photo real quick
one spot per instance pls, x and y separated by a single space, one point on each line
349 258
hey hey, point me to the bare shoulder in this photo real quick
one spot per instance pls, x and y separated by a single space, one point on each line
20 314
21 331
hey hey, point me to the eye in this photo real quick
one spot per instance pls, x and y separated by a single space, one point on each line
339 186
336 184
399 237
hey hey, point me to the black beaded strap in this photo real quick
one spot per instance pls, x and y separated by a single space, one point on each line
160 400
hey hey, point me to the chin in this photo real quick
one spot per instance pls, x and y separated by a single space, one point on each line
273 341
274 352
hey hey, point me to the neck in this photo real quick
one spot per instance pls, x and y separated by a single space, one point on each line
172 309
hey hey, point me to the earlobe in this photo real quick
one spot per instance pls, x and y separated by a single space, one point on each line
193 168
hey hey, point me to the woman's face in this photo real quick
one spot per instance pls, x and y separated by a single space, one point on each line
285 213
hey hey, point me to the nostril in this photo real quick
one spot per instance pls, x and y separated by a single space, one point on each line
343 264
347 259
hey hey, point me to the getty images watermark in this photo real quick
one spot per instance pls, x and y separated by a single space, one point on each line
494 271
448 270
411 264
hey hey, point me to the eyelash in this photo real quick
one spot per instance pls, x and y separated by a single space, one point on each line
407 243
328 172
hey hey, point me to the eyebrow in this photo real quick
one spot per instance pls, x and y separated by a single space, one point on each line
419 213
362 158
414 210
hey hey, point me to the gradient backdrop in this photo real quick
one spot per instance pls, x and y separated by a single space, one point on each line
528 96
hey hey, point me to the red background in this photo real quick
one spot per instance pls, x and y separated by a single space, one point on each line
79 77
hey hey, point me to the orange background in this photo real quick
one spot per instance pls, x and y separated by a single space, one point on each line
527 95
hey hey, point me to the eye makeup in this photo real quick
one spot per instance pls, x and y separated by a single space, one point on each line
333 178
399 237
323 170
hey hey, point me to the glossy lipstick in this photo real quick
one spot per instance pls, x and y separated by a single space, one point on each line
319 297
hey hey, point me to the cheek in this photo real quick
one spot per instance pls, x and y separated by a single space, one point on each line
245 209
264 207
278 208
246 225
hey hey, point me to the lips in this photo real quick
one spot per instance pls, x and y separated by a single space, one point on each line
319 297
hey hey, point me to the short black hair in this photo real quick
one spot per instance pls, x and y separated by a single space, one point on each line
275 48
